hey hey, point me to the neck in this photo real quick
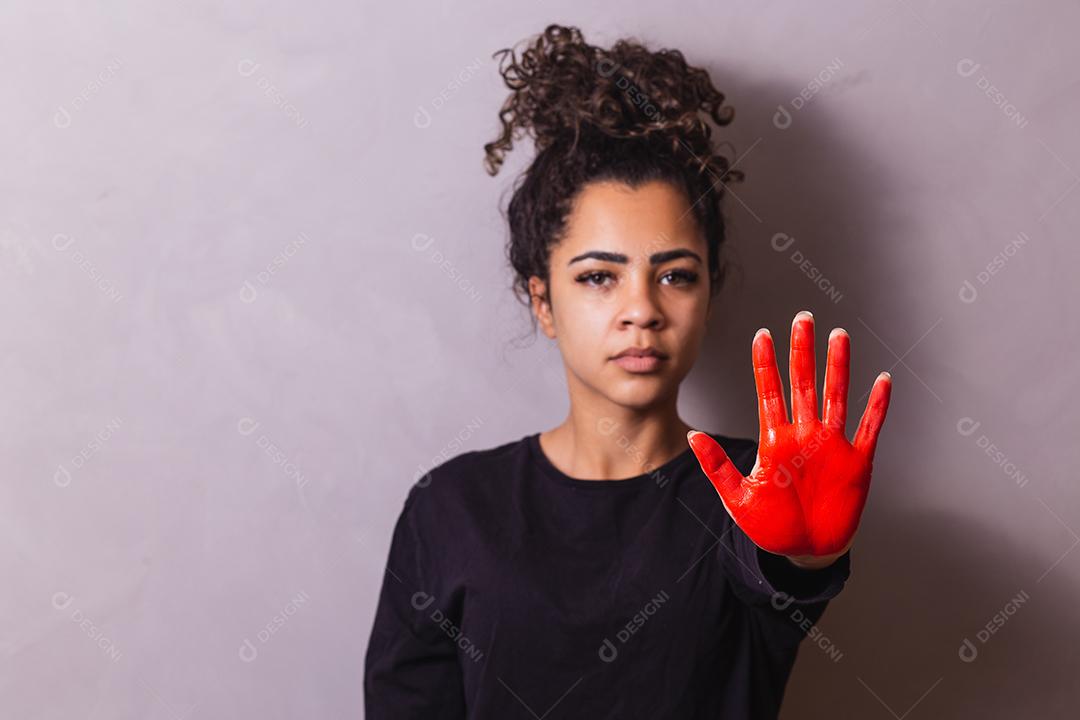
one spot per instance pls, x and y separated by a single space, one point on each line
601 439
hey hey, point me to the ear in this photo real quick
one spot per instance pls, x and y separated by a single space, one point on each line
540 305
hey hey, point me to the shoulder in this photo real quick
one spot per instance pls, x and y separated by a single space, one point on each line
465 467
465 475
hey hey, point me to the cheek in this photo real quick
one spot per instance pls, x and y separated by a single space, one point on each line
584 324
685 310
582 329
688 326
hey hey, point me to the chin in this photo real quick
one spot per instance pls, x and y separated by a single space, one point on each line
639 391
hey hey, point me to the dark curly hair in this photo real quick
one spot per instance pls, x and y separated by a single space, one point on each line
626 114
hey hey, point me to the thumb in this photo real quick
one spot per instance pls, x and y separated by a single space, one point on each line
717 466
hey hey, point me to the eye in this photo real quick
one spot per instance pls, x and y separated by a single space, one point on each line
681 277
595 278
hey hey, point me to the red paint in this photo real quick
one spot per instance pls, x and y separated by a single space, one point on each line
807 489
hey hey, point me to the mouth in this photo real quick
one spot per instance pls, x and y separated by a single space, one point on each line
640 359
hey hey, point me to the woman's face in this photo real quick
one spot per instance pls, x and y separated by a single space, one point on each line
631 271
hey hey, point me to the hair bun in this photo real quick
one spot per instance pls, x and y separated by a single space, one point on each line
562 87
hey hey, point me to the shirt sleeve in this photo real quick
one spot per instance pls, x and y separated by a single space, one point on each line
411 668
783 602
784 598
763 578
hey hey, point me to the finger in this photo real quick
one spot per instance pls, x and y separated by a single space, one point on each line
772 410
837 371
874 415
803 370
718 467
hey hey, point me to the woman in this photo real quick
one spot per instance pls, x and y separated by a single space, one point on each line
590 571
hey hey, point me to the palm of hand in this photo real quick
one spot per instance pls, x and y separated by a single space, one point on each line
806 492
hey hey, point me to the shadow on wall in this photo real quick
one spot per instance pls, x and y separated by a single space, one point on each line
805 231
933 635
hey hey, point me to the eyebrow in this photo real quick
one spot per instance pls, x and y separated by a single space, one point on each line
654 259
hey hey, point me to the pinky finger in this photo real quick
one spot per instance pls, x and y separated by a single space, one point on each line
866 435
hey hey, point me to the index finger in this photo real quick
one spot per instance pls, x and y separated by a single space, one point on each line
772 409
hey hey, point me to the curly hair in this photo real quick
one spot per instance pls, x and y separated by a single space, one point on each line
625 114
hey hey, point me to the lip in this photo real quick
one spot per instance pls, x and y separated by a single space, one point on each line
639 359
639 364
647 351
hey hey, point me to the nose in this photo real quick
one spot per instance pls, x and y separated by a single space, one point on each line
639 306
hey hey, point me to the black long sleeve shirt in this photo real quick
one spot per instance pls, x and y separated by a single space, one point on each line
513 590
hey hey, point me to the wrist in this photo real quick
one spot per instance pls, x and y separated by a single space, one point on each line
813 562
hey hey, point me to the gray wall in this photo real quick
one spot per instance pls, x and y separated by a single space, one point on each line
253 285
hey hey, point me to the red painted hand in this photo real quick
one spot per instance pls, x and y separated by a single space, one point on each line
806 492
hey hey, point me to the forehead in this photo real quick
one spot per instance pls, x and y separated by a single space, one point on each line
613 216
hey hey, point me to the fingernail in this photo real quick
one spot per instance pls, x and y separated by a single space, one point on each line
804 313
